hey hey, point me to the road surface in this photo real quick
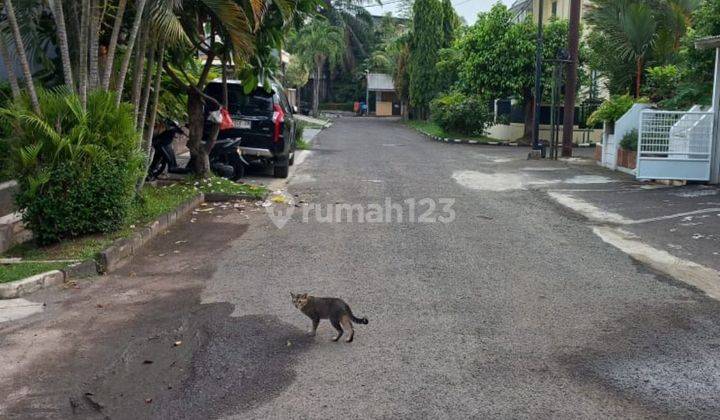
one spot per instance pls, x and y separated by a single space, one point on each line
515 308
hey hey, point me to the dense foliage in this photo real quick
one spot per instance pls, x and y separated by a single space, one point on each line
77 168
457 112
426 39
611 110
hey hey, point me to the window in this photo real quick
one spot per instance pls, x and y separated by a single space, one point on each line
554 9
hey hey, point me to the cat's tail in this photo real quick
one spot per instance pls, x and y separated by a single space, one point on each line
358 320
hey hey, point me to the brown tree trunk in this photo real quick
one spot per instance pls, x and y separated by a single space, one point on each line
24 63
528 110
316 87
196 122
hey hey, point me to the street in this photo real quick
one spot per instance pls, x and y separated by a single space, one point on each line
512 308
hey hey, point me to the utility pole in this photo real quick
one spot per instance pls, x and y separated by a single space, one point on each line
538 79
571 84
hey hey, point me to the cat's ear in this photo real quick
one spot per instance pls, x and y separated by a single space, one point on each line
292 295
304 296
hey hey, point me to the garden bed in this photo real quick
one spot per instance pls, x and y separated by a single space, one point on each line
154 202
432 129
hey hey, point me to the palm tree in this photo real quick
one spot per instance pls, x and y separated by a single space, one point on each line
57 9
317 44
20 47
636 38
9 68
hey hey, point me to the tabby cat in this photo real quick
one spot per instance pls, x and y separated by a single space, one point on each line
334 309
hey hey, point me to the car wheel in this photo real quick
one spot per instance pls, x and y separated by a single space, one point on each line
157 169
238 167
281 169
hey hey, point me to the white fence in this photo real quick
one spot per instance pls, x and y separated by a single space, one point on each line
674 145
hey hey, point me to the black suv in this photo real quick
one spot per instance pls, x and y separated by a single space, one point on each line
263 120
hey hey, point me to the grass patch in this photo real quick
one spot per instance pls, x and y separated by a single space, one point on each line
12 272
433 129
148 206
302 144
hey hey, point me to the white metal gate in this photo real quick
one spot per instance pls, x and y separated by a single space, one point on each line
674 145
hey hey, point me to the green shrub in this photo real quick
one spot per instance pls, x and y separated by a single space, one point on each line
456 112
612 109
662 82
630 140
76 169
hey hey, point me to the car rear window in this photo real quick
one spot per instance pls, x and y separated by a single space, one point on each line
258 103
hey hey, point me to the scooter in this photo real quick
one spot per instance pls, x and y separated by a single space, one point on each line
225 158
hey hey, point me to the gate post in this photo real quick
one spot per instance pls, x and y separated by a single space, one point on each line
715 158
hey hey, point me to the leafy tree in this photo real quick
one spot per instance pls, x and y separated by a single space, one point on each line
426 39
497 57
296 74
450 23
319 43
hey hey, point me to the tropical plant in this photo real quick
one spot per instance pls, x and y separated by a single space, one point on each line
319 43
629 35
76 166
661 82
612 109
460 113
426 39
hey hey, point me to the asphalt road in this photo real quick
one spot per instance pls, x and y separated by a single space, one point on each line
513 309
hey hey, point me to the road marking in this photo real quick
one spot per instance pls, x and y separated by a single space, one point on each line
597 214
694 274
589 210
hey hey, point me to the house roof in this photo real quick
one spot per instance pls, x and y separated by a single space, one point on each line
380 82
708 42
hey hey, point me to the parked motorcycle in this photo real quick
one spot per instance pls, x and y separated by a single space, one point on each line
225 158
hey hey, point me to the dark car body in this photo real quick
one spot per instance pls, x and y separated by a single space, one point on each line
263 120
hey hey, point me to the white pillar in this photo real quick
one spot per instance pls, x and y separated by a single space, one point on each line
715 158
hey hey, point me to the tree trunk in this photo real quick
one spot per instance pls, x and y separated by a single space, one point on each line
63 41
148 87
9 68
128 53
638 76
147 138
113 45
24 63
319 64
528 110
196 121
138 72
83 52
94 39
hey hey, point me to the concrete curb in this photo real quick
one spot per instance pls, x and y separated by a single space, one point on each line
112 258
18 288
121 251
222 197
489 143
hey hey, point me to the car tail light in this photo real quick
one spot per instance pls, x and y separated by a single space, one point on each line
277 118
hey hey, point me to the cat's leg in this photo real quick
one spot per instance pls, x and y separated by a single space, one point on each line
315 323
335 323
345 321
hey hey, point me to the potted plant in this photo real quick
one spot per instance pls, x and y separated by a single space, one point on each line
627 153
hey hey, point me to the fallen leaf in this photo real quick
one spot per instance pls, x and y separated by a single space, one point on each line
177 343
148 400
147 362
180 242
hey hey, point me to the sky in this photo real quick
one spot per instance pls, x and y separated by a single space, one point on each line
468 9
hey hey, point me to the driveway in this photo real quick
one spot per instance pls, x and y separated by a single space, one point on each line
512 307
